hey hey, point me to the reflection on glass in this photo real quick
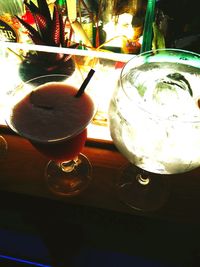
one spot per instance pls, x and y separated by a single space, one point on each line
3 146
154 118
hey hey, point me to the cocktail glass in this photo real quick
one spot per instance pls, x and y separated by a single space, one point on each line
154 119
46 111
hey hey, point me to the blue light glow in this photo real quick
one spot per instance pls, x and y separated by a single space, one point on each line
23 261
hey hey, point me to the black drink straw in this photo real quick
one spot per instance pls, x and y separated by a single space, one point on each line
85 83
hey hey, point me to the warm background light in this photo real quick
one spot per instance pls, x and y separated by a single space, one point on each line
102 83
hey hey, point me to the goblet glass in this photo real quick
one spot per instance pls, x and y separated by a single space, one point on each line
47 112
154 120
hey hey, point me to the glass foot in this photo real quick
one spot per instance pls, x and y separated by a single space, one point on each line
3 146
69 178
142 190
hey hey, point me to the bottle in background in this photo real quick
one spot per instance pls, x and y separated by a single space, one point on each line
62 7
10 28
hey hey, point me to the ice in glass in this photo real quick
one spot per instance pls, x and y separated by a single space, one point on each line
154 118
155 115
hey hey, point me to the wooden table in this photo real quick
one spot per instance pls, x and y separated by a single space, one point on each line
170 234
22 172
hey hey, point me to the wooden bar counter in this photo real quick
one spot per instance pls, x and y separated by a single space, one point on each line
22 172
96 220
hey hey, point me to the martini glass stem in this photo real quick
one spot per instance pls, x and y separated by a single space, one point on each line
70 177
143 179
69 166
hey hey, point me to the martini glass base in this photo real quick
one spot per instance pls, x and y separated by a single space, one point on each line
142 190
69 178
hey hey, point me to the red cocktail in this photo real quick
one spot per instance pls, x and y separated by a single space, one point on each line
49 115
